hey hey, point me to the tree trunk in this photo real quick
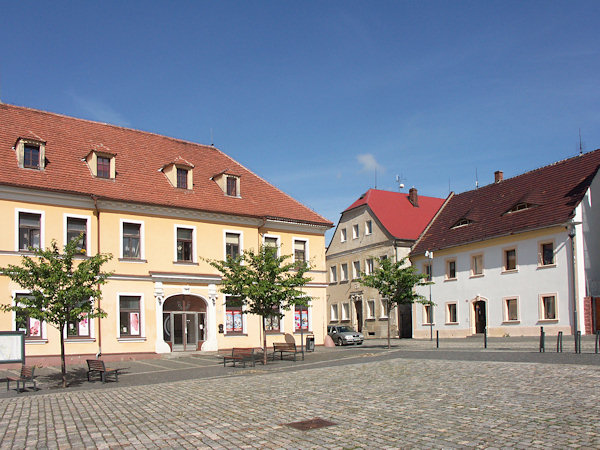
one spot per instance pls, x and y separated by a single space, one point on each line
264 342
63 366
389 314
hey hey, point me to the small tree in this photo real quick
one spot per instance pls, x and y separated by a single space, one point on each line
264 282
61 289
395 282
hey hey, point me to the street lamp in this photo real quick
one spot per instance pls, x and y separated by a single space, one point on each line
572 232
429 256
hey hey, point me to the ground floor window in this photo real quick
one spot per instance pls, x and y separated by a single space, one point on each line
272 323
548 306
427 314
345 311
233 315
370 309
300 318
511 309
451 316
129 316
79 328
24 322
334 312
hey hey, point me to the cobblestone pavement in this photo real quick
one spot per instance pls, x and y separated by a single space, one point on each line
377 399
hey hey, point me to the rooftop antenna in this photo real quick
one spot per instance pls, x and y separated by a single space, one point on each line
399 180
375 177
212 142
580 144
476 179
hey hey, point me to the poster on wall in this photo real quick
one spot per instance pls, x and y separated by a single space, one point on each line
229 321
134 321
35 328
84 325
237 321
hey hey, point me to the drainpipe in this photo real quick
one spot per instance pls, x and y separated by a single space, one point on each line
97 214
572 233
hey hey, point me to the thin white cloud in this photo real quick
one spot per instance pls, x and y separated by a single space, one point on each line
368 162
99 111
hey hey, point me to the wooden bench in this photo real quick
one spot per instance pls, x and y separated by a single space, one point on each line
242 355
285 347
97 366
25 376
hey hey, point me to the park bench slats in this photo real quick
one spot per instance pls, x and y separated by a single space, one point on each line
97 366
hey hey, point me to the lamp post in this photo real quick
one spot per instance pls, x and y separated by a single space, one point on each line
572 232
429 256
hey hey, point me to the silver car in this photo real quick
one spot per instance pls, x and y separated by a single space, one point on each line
343 334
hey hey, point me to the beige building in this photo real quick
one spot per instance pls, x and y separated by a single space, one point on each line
378 224
161 207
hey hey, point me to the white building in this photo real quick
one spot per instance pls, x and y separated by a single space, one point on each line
502 256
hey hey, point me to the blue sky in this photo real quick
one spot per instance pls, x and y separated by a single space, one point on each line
318 96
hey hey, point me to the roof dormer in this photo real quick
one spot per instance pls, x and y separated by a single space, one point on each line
179 173
462 223
102 164
31 153
520 206
229 183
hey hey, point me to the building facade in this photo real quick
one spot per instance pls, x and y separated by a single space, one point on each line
514 256
378 224
162 207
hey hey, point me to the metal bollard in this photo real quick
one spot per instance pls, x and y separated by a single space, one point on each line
597 340
485 337
437 338
559 342
542 340
579 342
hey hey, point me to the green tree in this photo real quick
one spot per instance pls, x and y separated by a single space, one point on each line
265 283
395 282
61 287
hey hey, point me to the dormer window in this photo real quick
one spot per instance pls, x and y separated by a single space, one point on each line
30 153
101 164
229 183
232 186
179 173
462 223
520 207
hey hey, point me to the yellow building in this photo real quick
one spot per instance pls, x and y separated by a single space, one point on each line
161 207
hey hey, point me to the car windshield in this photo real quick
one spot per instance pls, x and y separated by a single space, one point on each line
345 329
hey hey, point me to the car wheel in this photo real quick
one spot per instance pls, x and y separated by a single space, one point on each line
340 341
359 343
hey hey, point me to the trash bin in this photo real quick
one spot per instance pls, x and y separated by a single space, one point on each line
310 343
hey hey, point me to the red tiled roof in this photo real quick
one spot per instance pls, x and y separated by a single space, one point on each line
139 156
397 214
553 192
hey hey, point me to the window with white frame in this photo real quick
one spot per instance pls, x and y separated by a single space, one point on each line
546 256
234 323
427 314
510 259
333 274
30 153
184 244
355 231
384 308
130 316
300 250
132 239
368 227
476 265
370 309
344 272
76 227
232 245
345 311
451 269
511 309
30 326
273 323
356 270
427 271
451 313
548 307
29 230
369 266
81 328
272 242
301 318
334 312
343 236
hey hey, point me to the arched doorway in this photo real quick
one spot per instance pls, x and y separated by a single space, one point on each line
184 322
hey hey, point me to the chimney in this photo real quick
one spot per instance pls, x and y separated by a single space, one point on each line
413 197
498 176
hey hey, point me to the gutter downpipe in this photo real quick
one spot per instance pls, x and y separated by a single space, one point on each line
97 214
572 232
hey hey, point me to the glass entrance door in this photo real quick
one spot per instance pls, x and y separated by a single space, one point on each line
191 331
182 329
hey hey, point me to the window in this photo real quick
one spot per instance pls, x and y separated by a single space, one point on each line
272 323
233 315
355 231
232 245
300 318
461 223
333 274
29 230
25 323
345 311
451 269
132 233
129 316
547 254
102 167
369 266
427 314
343 235
79 328
510 259
384 308
451 316
182 178
368 227
31 156
370 309
476 265
427 271
232 186
272 242
355 270
300 250
77 227
520 207
548 306
344 274
334 312
511 310
185 244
